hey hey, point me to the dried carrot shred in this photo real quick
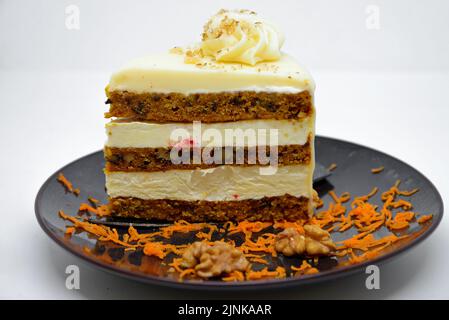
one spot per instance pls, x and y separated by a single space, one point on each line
377 170
101 211
248 227
425 218
104 233
257 259
184 227
67 184
304 268
154 249
264 273
401 220
69 230
93 201
287 224
234 276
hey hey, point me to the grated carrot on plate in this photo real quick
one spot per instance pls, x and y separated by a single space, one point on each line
183 226
67 184
234 276
377 170
264 273
304 268
425 218
298 225
154 249
100 211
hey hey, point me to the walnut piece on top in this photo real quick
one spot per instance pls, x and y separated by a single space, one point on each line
213 260
316 241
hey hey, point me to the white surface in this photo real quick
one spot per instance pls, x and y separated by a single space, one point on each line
392 96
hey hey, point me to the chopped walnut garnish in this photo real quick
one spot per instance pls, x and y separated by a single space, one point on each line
177 50
193 56
316 241
290 242
214 260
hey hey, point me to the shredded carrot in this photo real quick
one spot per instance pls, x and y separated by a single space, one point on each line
287 224
401 220
425 218
208 235
363 257
377 170
281 273
67 184
93 201
182 226
69 230
104 233
100 211
248 227
257 259
234 276
264 273
154 249
304 268
368 241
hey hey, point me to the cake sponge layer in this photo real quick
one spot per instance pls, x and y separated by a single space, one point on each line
160 159
285 207
208 107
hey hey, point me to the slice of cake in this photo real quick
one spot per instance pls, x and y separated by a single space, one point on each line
220 131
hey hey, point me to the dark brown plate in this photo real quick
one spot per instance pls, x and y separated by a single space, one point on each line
353 175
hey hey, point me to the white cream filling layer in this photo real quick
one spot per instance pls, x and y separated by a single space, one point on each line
223 183
167 73
241 133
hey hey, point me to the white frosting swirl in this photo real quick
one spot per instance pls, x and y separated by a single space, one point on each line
241 36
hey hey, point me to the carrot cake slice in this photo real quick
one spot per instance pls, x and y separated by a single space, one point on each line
223 130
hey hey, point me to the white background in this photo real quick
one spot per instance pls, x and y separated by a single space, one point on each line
385 88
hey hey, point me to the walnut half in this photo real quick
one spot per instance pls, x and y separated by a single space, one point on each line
316 241
290 242
213 260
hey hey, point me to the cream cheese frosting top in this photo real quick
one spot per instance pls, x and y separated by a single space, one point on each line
238 52
241 36
165 73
